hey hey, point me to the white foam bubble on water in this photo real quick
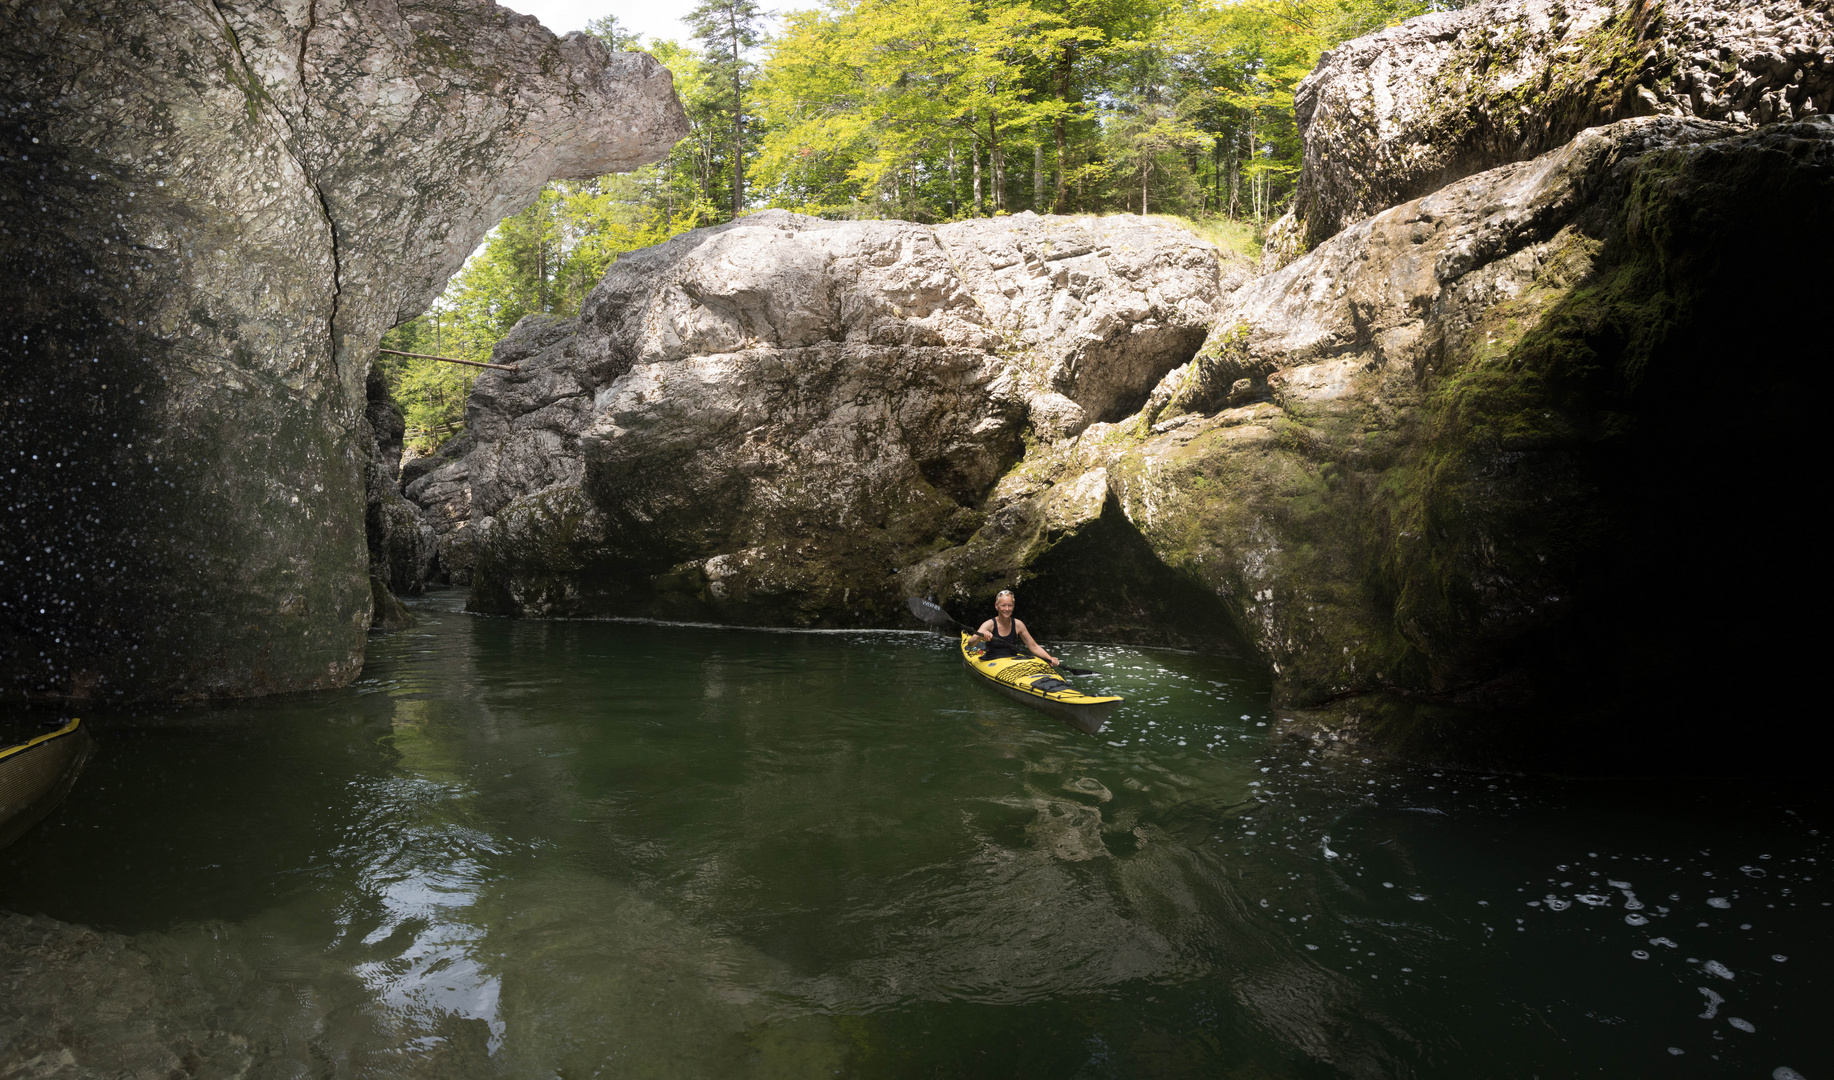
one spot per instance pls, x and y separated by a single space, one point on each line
1714 967
1718 902
1617 884
1592 899
1636 920
1743 1025
1663 941
1640 954
1778 957
1784 1072
1312 948
1555 903
1676 1050
1714 1001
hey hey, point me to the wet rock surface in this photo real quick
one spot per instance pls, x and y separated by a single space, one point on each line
212 214
214 1002
402 546
1447 469
761 422
1400 113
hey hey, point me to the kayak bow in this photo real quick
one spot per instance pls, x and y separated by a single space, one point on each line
35 775
1033 682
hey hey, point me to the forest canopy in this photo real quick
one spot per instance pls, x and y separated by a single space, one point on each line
925 110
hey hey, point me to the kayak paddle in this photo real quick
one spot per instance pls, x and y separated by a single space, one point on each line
937 617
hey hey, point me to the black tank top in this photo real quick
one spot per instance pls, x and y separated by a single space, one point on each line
1006 644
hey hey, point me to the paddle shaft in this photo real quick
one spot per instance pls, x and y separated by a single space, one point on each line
915 603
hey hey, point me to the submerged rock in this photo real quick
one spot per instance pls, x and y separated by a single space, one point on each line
763 421
1400 113
213 213
1470 459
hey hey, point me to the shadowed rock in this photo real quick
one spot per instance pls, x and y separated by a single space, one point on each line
1474 470
214 211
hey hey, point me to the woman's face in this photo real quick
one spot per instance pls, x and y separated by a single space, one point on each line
1003 606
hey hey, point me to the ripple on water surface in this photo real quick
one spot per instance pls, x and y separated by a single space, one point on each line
519 849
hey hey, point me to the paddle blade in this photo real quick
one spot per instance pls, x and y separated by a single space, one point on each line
929 612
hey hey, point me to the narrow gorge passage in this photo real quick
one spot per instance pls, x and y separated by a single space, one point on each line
519 848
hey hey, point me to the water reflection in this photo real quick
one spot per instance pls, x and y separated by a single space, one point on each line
524 849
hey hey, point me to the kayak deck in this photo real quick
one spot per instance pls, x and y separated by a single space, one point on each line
1033 682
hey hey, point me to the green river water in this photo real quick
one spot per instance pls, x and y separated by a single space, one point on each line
528 849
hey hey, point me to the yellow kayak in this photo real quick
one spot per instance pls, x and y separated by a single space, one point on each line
35 775
1030 681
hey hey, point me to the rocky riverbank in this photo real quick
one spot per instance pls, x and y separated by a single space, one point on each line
1446 473
1457 456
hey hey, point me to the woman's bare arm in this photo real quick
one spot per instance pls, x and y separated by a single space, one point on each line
1037 649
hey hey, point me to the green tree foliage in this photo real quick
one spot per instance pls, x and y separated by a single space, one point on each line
927 110
933 109
544 259
549 256
730 30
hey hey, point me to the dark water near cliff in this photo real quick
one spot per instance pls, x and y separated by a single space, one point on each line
577 849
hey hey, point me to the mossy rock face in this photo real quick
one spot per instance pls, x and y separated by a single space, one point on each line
388 611
1483 495
1081 570
1402 112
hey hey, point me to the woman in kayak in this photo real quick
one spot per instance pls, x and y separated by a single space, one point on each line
1007 636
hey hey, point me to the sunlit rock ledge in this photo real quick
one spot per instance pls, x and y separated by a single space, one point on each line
761 422
1403 112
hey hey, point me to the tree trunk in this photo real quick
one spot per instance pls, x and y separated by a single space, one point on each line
1235 174
738 148
975 147
996 164
1038 176
1066 61
1216 172
952 182
1146 170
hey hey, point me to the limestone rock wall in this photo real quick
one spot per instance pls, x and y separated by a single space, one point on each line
212 211
1518 460
760 422
1400 113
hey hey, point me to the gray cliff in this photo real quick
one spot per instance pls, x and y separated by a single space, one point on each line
1400 113
212 212
1494 467
1467 463
761 422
